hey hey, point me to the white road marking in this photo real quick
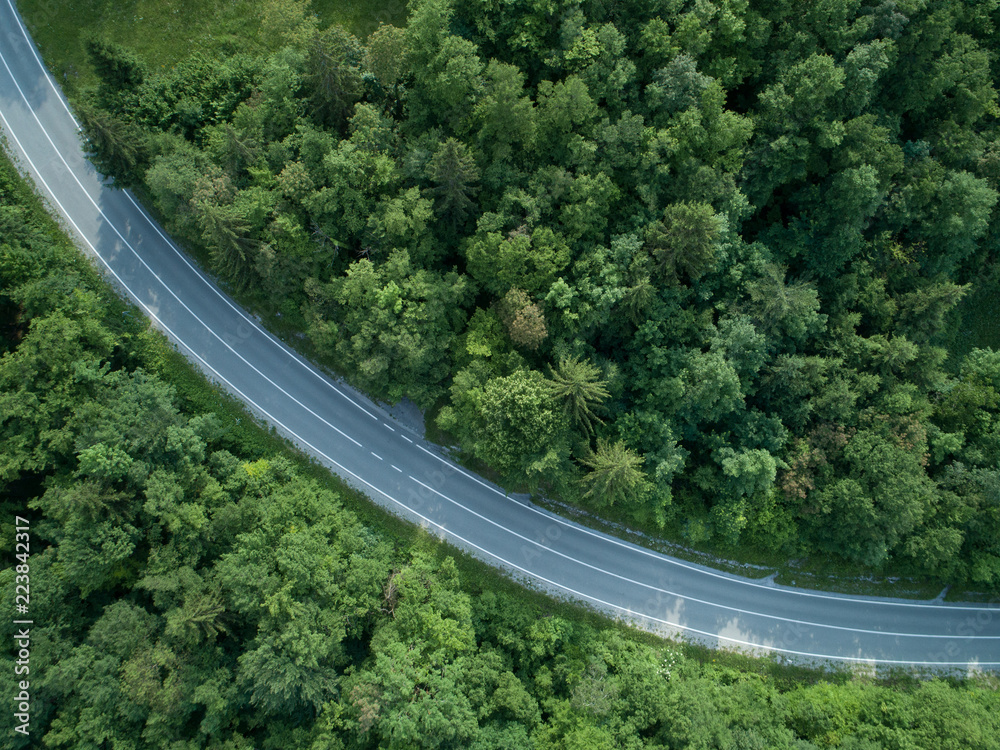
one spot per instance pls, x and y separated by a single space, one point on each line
388 427
706 571
396 468
252 321
376 455
657 589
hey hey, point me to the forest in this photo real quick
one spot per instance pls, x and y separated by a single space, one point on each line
704 267
197 586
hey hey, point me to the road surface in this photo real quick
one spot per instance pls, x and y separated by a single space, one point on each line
359 441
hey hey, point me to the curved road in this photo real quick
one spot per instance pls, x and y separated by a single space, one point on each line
361 443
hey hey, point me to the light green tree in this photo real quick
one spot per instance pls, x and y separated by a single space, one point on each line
518 429
616 476
578 385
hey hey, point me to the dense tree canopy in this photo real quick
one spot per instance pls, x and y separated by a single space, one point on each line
718 245
195 588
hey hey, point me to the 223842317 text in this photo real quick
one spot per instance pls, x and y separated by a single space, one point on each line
22 636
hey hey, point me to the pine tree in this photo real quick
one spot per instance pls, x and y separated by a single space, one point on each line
454 174
615 475
578 385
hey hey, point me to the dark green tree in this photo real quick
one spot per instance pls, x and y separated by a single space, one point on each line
334 75
118 70
685 240
454 177
117 149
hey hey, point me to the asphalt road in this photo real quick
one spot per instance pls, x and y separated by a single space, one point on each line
364 445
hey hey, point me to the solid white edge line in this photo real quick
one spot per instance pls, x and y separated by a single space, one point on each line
685 597
290 353
698 569
45 72
533 509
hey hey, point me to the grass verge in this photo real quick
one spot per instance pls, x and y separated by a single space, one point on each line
162 32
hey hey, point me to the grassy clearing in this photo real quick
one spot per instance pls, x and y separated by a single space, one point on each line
162 32
361 16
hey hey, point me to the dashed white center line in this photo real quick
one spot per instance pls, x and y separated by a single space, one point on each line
376 455
396 468
387 427
406 438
